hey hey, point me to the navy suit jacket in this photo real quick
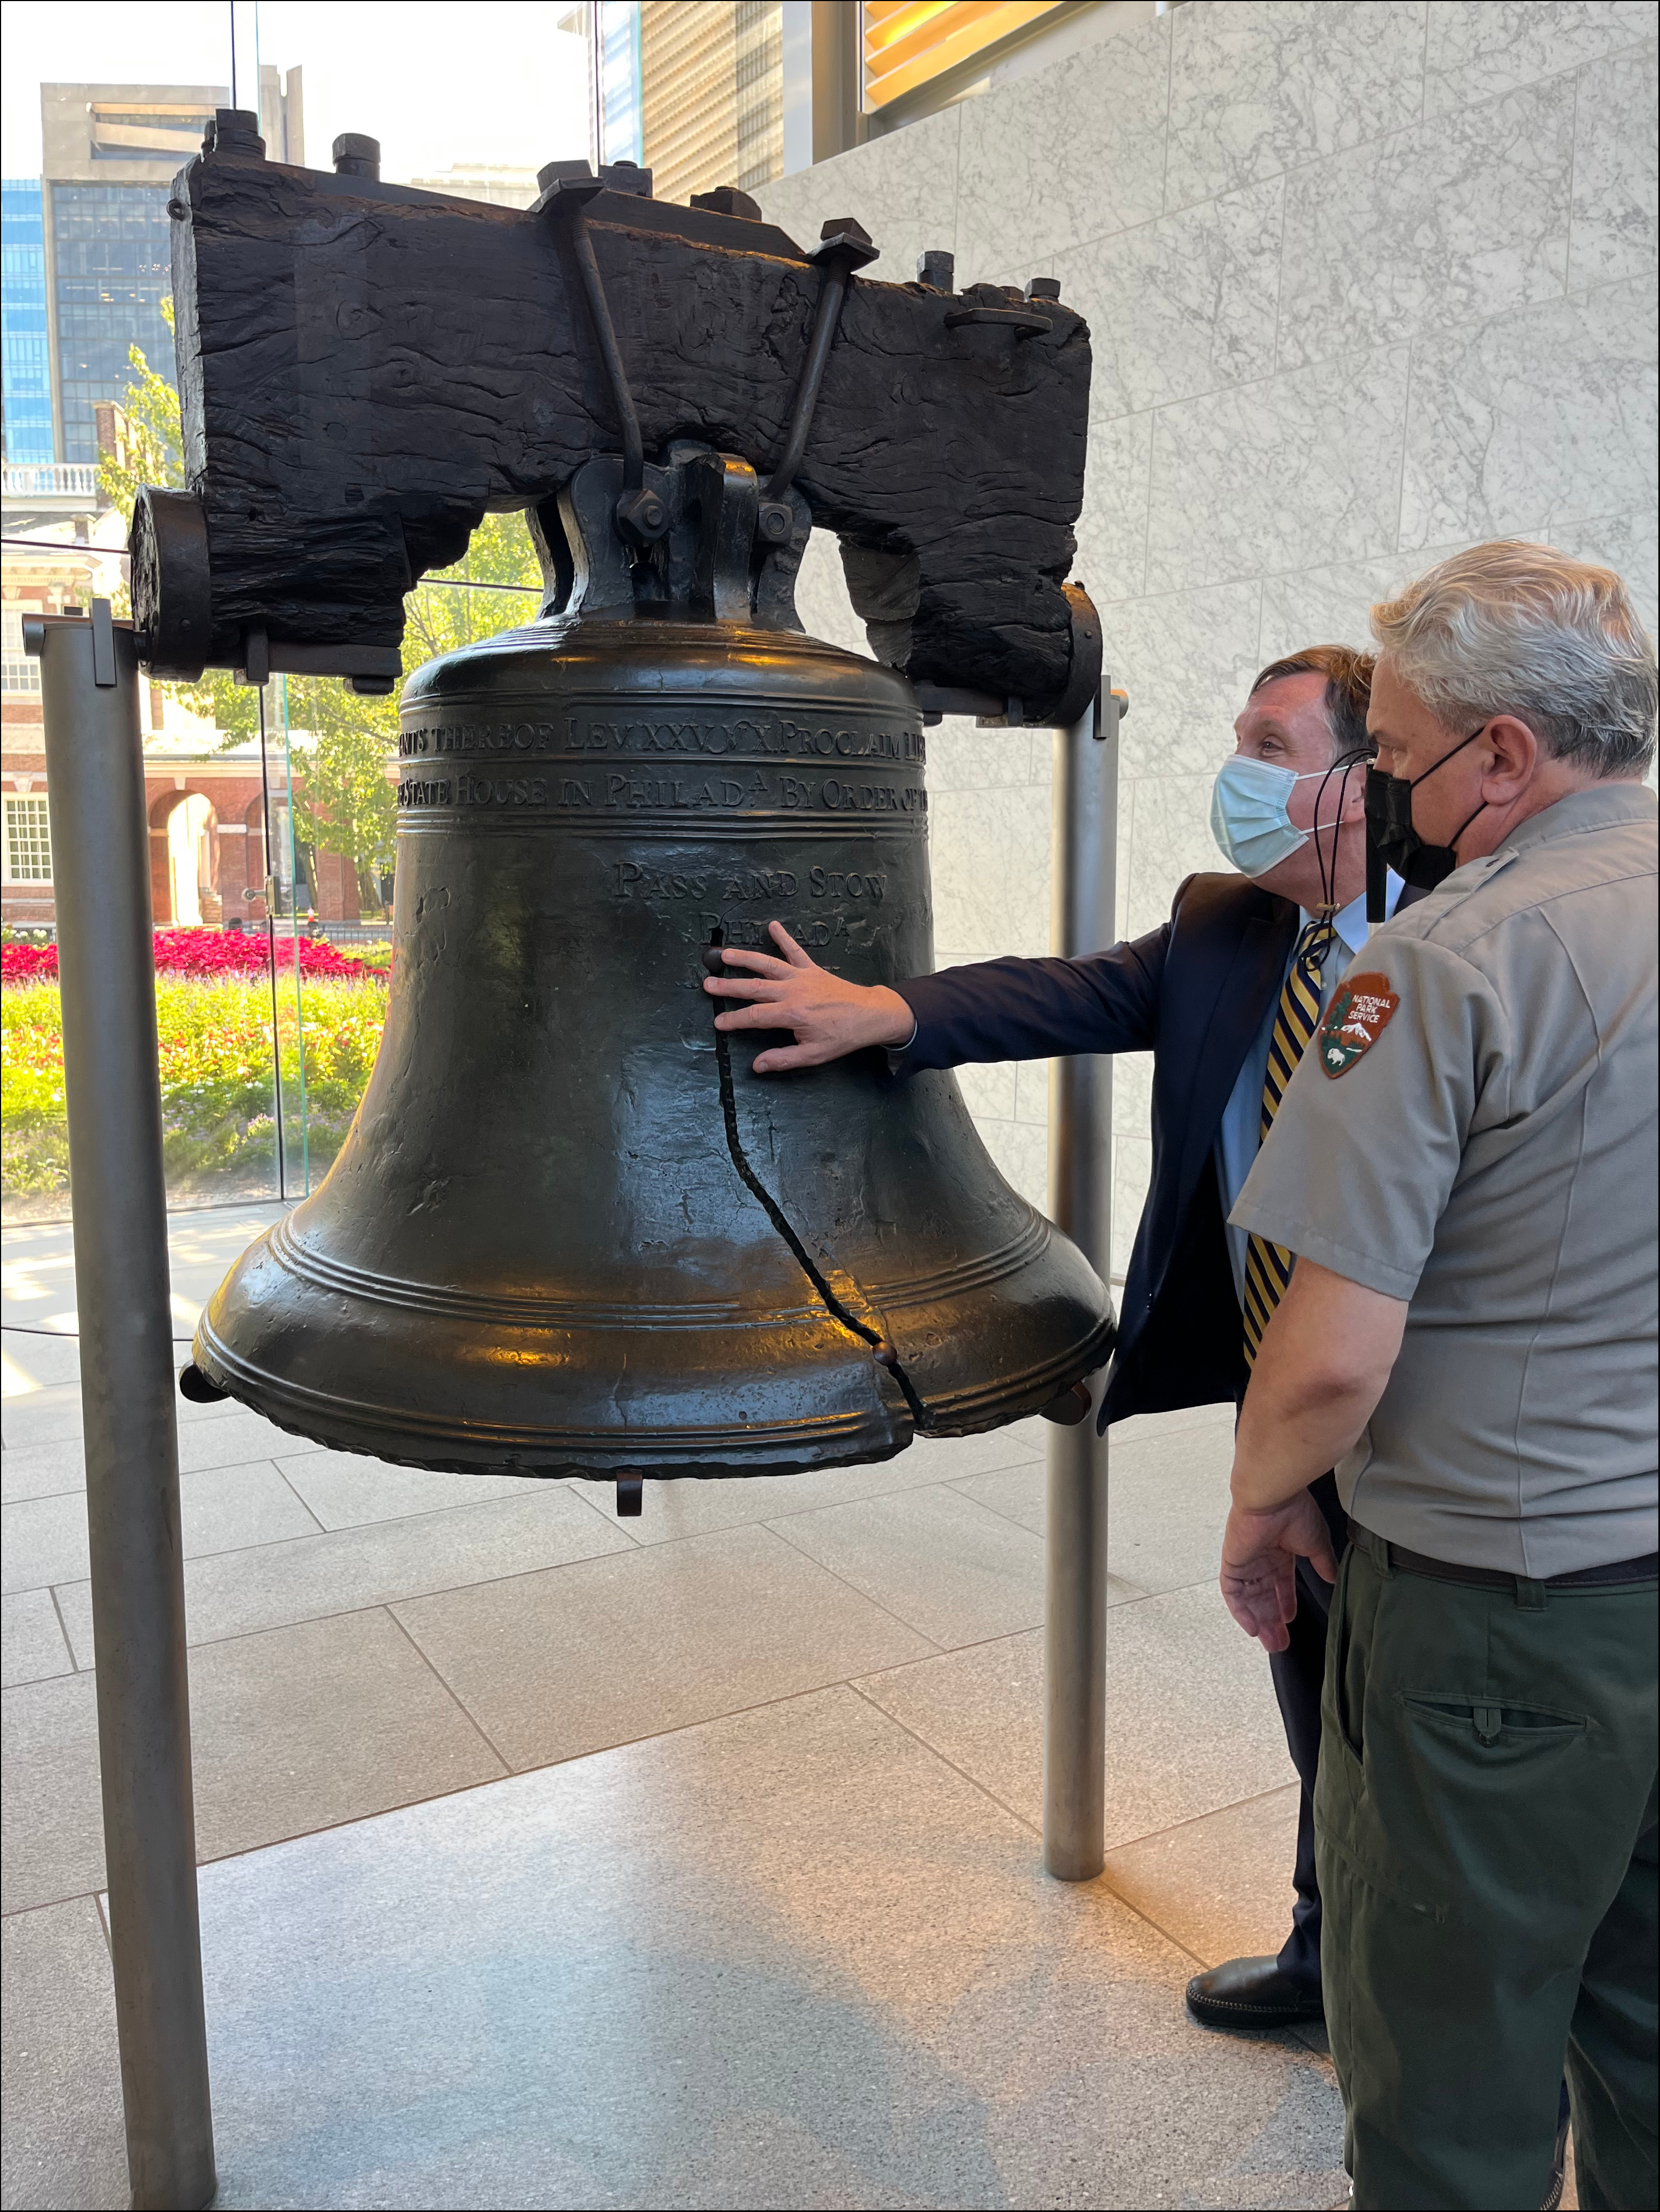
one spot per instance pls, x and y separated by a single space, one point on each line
1193 993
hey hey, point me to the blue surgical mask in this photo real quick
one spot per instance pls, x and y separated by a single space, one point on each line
1248 814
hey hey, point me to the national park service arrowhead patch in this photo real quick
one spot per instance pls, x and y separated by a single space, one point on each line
1358 1016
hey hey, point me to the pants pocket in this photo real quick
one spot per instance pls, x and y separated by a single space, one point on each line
1501 1732
1348 1696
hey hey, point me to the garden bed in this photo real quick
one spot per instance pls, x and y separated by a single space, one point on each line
217 1067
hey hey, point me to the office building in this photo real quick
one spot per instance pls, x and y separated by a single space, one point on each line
695 94
26 406
110 154
498 183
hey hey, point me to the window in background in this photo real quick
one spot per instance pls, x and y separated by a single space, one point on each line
26 407
29 840
20 675
711 95
910 43
111 248
109 153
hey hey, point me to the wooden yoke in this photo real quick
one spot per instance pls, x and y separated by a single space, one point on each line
365 370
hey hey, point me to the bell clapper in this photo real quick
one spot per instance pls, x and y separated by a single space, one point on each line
630 1496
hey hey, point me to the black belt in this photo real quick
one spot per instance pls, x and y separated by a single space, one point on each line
1645 1569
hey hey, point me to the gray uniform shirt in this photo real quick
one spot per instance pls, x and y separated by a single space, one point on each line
1488 1153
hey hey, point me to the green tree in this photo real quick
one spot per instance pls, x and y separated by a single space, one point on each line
152 453
345 748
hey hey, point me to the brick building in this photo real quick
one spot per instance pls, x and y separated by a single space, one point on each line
209 811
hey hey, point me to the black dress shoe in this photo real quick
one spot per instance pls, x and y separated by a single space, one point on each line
1251 1993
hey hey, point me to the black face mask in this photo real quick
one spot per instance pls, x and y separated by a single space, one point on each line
1390 832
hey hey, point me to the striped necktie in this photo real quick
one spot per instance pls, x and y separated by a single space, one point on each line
1268 1266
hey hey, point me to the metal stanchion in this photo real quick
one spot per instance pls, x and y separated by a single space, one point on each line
101 854
1084 863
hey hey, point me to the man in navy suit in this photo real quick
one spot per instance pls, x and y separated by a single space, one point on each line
1206 993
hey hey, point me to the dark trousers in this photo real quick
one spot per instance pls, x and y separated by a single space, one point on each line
1489 1838
1298 1676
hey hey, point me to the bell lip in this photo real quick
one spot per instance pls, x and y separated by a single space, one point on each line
846 1439
853 1438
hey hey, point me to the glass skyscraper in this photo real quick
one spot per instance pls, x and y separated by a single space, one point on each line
25 365
111 248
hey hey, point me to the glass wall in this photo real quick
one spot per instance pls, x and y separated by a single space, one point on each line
271 813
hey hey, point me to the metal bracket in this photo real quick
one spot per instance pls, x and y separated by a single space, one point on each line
103 646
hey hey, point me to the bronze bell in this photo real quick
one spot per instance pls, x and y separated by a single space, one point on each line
570 1232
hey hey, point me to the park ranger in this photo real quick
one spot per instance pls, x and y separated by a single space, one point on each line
1457 1208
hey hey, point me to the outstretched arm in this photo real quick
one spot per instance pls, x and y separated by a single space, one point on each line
984 1010
831 1017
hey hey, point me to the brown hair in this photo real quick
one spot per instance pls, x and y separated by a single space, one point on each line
1348 690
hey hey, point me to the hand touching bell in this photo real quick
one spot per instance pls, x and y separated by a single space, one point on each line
831 1017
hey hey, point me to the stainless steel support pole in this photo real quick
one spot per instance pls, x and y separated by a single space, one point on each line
1085 848
101 856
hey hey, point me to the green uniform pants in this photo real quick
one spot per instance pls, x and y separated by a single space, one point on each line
1485 1824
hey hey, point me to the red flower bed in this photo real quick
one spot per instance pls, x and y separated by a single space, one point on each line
194 952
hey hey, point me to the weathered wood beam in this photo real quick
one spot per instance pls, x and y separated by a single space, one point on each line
365 370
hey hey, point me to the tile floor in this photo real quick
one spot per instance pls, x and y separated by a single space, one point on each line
553 1860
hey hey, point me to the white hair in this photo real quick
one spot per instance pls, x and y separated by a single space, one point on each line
1513 629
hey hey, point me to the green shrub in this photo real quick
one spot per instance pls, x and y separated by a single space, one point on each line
218 1119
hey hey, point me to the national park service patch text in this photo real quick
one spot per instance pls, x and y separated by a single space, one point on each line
1358 1016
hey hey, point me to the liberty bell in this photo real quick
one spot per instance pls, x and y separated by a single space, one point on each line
570 1232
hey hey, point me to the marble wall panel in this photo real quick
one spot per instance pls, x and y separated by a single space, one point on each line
1257 86
1021 1151
1462 325
1330 606
1629 545
1301 468
1437 227
1111 561
1474 49
1182 305
1132 1173
990 855
1187 661
962 756
1615 166
1132 1093
1067 154
901 187
821 596
1169 838
989 1093
1031 1100
1540 417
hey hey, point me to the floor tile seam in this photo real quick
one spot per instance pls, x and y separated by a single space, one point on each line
73 1489
344 1612
795 1513
49 1905
981 1788
449 1691
1141 1913
936 1649
64 1629
985 1506
1032 1827
356 1528
1195 1820
287 1485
